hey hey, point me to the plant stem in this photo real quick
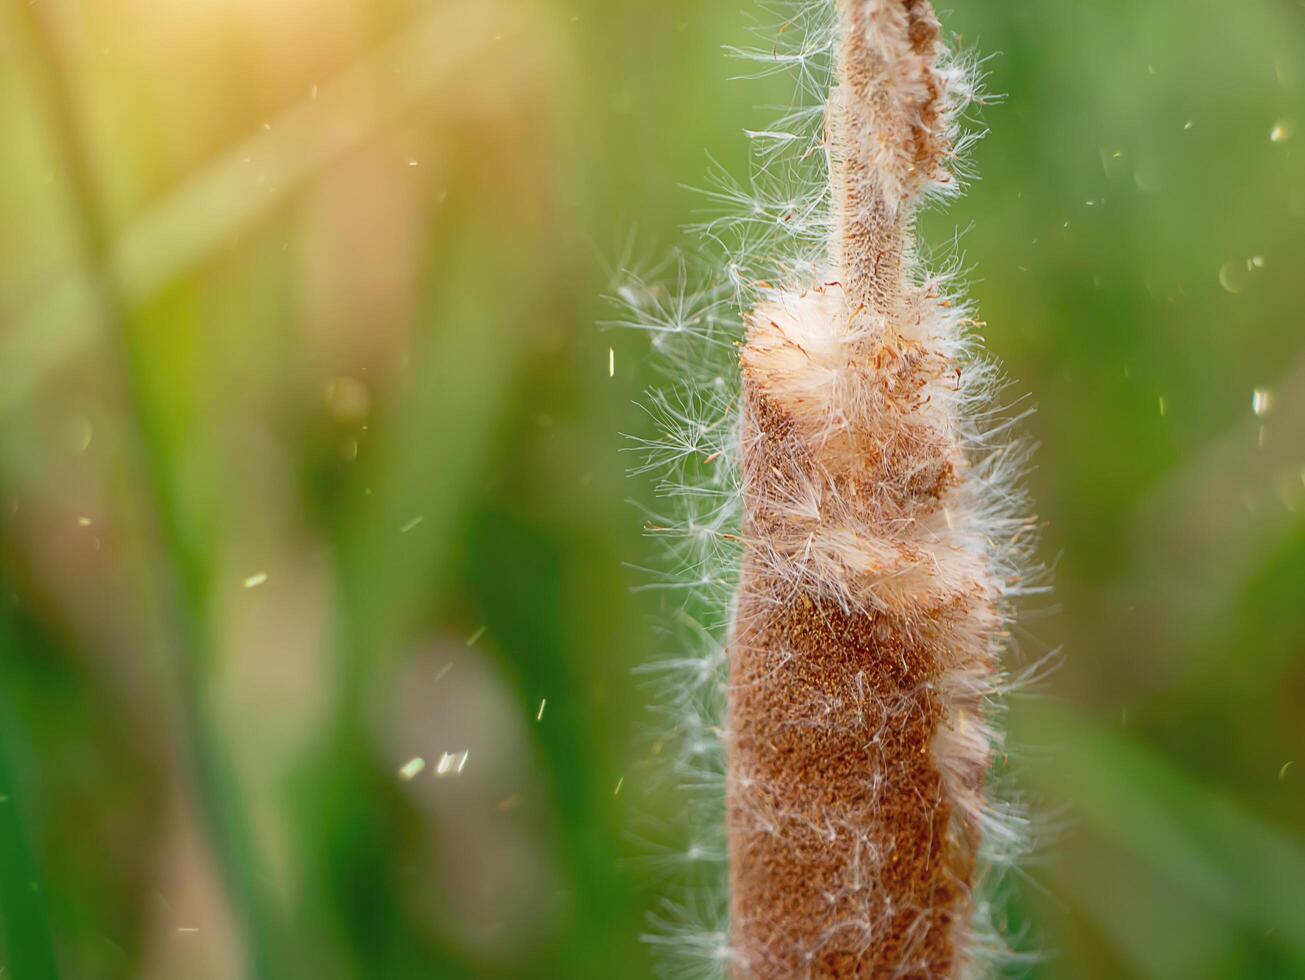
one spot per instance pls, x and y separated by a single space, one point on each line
182 573
28 942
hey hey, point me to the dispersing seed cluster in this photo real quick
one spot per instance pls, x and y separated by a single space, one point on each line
842 505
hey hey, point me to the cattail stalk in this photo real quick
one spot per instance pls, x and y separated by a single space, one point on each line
867 624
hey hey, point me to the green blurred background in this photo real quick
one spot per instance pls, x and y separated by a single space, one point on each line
310 466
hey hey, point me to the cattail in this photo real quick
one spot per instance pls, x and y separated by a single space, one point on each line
879 533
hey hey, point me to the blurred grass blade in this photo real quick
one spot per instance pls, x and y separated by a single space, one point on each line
29 950
397 539
182 576
1193 837
1239 477
208 209
28 944
393 546
1155 925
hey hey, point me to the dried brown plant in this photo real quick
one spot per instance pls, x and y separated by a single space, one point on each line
881 536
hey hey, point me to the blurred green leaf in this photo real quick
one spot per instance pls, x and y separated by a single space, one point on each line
211 209
1241 871
28 946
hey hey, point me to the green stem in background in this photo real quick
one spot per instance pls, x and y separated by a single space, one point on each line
29 948
181 573
28 943
432 448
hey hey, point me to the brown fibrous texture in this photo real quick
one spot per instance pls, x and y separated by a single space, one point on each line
865 633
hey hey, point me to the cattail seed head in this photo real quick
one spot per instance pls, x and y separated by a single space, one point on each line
877 529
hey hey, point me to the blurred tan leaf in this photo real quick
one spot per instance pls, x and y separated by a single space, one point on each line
211 209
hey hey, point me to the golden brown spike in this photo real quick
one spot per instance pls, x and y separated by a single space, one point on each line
864 633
